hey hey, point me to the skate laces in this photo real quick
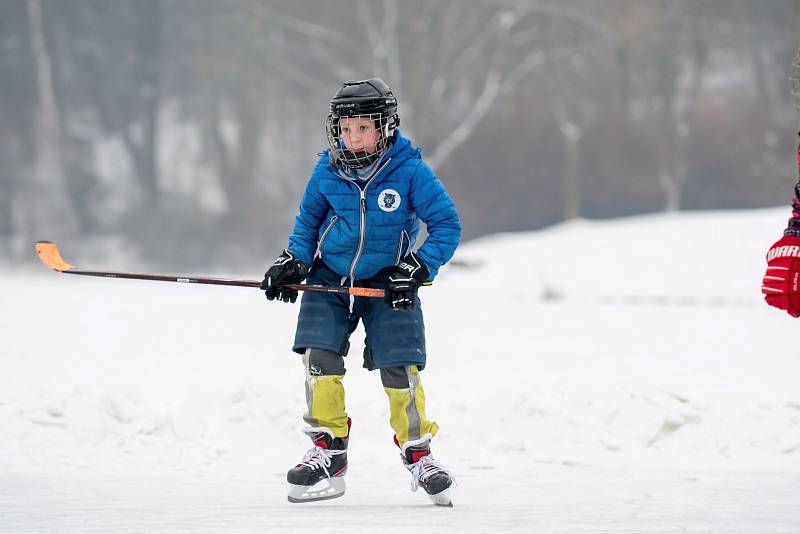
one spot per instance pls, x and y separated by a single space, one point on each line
423 469
317 457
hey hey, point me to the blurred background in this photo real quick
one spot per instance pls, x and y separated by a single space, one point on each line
180 133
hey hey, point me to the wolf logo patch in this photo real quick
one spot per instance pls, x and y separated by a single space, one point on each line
389 200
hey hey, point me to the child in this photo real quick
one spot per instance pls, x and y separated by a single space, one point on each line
781 284
358 224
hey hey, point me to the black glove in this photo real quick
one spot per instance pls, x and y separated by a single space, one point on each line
404 280
286 270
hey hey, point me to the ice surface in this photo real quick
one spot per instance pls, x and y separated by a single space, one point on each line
533 499
615 375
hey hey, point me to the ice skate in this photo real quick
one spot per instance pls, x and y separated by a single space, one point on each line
320 475
428 474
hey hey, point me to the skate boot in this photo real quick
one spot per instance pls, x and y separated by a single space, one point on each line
320 475
427 473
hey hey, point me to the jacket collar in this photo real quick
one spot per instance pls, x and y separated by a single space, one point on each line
400 151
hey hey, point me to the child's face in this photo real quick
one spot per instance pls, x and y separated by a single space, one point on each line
359 134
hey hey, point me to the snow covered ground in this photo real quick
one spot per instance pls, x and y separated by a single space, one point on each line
619 376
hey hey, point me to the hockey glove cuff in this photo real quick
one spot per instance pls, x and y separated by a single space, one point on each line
781 285
404 281
287 269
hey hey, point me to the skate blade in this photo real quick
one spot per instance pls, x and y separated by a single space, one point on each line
329 488
442 499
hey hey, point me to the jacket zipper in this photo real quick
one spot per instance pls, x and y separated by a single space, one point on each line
325 234
363 220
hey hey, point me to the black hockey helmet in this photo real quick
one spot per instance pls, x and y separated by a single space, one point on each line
370 99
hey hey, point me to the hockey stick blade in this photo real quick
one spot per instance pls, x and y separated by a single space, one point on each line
50 256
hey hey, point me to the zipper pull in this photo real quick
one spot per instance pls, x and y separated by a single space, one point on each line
363 204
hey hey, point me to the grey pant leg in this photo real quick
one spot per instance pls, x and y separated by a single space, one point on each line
394 377
319 362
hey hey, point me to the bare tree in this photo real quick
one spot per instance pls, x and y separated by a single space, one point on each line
680 76
47 208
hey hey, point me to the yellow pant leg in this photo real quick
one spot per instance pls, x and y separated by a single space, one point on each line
407 404
324 400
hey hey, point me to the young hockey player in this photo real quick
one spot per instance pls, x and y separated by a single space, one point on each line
781 284
358 225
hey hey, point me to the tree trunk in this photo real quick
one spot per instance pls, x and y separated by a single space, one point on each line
46 208
572 188
238 158
149 69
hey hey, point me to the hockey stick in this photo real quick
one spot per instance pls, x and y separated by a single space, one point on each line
49 255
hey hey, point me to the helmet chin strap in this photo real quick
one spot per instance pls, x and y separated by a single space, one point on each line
357 155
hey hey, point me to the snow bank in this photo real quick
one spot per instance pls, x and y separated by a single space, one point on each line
694 255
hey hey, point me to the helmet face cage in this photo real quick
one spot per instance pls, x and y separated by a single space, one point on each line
358 141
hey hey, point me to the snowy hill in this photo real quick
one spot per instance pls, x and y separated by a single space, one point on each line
698 255
630 342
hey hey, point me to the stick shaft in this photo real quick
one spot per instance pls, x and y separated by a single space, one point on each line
49 255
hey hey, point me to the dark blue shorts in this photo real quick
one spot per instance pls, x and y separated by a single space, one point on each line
394 338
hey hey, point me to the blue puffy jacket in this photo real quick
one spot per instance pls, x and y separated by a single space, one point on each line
360 227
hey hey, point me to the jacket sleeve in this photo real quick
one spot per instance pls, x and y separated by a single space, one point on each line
313 209
433 205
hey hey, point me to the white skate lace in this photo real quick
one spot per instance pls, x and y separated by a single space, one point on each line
319 457
423 469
